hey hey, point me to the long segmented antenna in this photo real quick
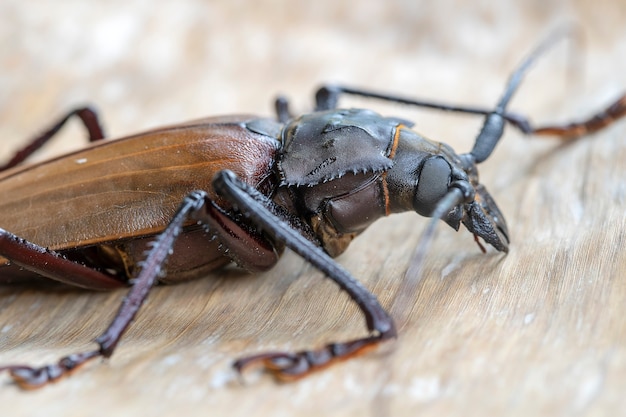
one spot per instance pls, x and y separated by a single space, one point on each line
493 127
489 135
405 296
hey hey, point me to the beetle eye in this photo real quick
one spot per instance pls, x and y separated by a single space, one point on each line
432 184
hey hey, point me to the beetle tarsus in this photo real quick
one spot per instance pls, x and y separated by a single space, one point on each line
285 366
591 125
27 377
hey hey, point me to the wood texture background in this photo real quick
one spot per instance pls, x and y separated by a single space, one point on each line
541 331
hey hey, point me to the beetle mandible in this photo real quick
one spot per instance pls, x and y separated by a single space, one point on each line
241 189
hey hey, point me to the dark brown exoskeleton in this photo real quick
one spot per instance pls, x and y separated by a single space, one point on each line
240 189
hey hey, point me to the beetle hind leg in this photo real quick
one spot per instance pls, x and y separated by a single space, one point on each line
87 116
52 265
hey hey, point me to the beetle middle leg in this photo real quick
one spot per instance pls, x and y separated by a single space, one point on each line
29 377
87 116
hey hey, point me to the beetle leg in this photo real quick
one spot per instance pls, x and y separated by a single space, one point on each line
327 98
579 128
28 377
87 115
257 209
52 265
282 109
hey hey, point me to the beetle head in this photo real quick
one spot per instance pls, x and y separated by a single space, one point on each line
445 186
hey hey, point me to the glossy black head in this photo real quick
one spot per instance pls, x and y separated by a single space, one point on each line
431 179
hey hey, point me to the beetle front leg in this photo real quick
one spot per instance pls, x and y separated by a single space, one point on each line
286 365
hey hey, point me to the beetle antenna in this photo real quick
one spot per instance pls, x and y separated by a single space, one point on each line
453 198
406 294
516 78
493 127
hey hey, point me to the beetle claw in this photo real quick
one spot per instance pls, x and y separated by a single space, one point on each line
27 377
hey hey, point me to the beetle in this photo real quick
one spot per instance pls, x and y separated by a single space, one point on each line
174 203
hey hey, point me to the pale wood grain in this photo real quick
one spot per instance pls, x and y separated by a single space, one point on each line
540 331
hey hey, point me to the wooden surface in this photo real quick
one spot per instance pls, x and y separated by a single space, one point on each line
540 331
